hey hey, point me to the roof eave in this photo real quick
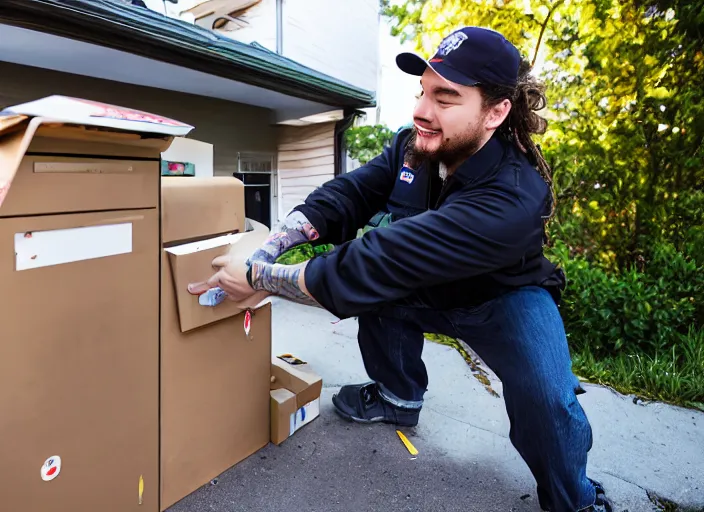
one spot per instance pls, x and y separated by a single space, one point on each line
152 35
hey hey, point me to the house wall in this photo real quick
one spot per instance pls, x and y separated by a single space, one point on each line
306 161
230 127
340 40
257 24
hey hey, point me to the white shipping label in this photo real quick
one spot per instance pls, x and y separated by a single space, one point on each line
47 248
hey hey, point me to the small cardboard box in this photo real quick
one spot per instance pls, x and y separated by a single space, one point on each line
295 398
214 377
198 207
79 358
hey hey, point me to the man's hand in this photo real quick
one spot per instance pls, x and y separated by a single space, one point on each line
240 282
296 229
231 276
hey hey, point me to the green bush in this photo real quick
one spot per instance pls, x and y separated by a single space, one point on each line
640 331
631 310
368 141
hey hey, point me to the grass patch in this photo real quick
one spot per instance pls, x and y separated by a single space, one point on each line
663 377
675 377
477 371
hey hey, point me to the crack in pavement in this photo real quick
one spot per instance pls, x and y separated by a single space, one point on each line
652 496
466 422
623 479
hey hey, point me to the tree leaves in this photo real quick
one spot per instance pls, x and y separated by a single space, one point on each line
626 106
366 142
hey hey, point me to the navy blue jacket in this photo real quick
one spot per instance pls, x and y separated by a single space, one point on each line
450 245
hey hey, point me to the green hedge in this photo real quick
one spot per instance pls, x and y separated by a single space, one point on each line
642 330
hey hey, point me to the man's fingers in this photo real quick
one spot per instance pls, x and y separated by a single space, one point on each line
215 279
198 288
221 261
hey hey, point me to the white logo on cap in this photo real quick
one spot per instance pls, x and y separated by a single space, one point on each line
451 42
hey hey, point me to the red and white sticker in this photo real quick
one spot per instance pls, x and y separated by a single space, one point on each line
51 468
247 322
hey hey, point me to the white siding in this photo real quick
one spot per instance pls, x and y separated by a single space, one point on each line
258 25
306 161
339 38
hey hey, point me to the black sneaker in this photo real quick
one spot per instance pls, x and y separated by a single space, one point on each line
363 403
601 503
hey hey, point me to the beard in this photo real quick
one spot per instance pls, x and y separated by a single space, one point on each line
450 152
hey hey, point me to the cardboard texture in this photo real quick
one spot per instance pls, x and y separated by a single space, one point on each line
86 128
79 358
195 207
214 379
294 398
283 408
192 263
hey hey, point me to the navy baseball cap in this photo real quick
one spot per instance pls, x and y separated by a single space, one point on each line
469 56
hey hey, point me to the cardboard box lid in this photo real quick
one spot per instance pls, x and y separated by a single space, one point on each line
196 207
305 384
192 263
73 118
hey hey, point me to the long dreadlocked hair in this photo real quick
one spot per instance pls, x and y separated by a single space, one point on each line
522 122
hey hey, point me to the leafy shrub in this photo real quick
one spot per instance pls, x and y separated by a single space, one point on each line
367 142
647 311
640 331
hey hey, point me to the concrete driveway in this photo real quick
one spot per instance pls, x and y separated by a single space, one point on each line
465 461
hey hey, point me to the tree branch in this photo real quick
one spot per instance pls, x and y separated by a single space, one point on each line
542 29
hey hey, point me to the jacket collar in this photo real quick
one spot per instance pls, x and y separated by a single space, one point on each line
483 161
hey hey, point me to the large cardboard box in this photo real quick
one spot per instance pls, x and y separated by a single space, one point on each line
79 266
295 398
214 376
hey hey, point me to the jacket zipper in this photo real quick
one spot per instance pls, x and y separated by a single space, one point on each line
443 191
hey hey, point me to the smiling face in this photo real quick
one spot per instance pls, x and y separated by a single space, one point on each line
451 122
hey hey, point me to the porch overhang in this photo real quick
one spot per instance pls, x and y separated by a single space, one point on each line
123 43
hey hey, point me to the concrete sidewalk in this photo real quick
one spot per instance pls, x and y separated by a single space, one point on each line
466 461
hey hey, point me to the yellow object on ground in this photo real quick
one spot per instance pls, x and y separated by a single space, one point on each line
411 449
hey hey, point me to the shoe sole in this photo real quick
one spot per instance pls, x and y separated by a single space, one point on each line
349 417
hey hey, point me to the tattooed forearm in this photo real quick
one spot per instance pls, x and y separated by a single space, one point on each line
280 280
296 220
295 229
277 244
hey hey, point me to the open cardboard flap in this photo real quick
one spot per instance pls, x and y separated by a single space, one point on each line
74 118
192 263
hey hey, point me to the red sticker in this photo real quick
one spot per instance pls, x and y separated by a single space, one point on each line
51 468
247 322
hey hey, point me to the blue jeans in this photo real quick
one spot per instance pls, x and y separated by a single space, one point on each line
521 337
